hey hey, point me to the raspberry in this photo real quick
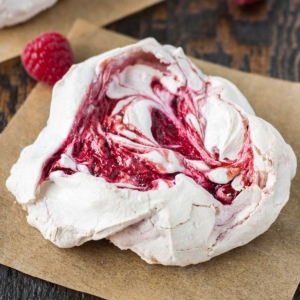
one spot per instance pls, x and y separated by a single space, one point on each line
48 57
244 2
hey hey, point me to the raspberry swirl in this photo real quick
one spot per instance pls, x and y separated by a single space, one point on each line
144 121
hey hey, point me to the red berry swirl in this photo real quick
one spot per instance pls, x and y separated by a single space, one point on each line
142 122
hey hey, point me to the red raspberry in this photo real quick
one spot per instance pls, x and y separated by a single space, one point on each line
242 2
48 57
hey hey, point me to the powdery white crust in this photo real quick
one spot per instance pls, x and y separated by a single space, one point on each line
178 225
13 12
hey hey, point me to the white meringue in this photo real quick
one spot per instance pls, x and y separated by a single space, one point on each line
13 12
219 183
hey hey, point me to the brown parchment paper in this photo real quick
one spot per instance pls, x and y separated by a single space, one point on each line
266 268
60 18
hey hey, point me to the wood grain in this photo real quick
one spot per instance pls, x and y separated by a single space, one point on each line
16 285
15 85
263 38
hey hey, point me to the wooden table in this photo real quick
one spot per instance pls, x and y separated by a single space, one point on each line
263 38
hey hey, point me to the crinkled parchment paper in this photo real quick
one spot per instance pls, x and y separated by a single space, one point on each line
60 18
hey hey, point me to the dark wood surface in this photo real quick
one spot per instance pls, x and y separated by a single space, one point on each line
263 38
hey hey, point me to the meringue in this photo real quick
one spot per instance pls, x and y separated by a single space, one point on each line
145 150
13 12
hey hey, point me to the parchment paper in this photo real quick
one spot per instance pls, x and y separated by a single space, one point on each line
266 268
60 18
